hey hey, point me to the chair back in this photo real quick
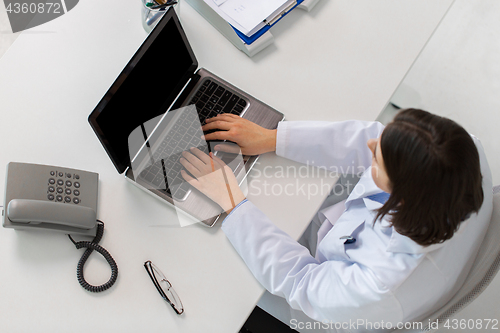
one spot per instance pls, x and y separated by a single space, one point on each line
482 272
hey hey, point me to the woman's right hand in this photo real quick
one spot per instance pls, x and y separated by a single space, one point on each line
252 138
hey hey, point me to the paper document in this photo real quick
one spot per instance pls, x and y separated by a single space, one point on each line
219 2
249 13
248 16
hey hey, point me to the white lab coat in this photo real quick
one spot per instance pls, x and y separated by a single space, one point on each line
382 277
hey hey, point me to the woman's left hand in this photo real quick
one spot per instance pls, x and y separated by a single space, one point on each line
212 177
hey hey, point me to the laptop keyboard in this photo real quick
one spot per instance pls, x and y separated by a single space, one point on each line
212 99
164 173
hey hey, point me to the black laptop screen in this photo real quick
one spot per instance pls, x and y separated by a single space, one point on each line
146 87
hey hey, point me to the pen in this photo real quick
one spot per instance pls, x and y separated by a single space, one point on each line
151 4
167 4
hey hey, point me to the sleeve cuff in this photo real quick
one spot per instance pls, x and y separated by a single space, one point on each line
281 138
236 207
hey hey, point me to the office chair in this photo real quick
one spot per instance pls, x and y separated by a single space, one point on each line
483 271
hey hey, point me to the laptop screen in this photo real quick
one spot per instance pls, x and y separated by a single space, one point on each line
145 88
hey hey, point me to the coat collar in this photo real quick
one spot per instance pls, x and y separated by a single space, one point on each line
365 187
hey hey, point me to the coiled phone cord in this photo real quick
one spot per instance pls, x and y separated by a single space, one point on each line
94 246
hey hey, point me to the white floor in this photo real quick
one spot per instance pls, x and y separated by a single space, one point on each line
457 76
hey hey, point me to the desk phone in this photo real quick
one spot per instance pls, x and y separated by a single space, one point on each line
50 198
61 199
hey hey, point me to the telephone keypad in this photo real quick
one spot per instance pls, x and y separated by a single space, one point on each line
63 187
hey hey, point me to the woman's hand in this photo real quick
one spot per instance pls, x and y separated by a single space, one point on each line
252 138
212 178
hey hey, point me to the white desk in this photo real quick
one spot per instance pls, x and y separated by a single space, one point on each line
343 60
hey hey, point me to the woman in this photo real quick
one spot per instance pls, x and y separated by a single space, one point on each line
396 249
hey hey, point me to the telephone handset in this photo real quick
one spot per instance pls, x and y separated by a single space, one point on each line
50 198
37 212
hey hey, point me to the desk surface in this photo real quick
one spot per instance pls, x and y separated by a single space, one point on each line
343 60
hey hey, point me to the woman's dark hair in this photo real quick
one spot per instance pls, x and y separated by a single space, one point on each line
434 173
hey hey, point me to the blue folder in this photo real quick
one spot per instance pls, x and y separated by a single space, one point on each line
255 36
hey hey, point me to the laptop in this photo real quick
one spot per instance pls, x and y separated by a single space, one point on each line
159 90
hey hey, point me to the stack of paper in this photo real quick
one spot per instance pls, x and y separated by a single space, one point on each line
249 16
